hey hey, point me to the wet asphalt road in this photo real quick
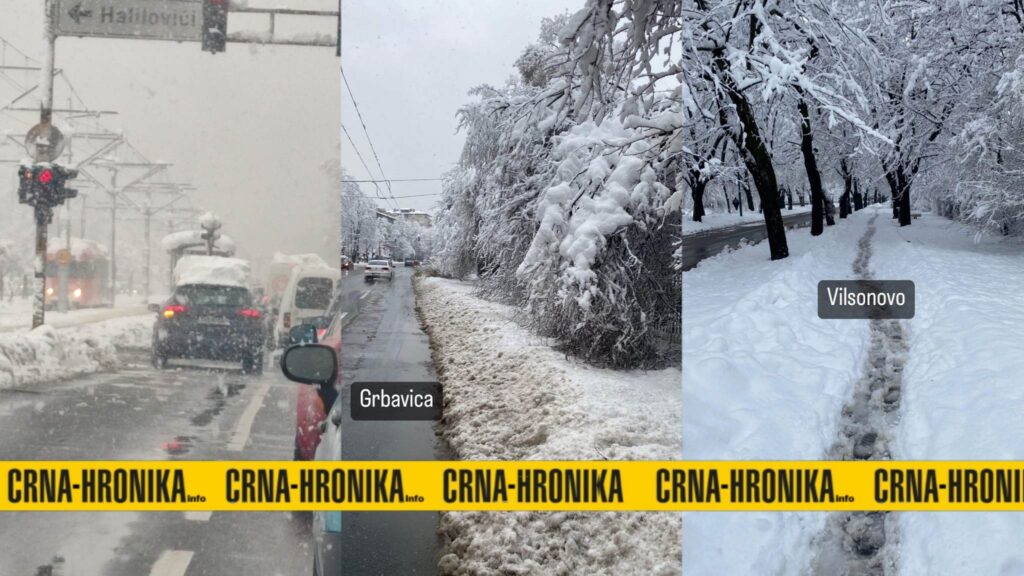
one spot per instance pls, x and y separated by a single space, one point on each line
140 413
697 247
382 341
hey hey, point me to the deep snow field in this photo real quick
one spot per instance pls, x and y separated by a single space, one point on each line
509 395
764 378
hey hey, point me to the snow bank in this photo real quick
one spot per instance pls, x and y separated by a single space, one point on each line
509 395
715 220
962 395
765 378
29 358
216 270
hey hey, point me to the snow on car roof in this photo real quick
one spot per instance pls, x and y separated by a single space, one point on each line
217 270
188 238
299 259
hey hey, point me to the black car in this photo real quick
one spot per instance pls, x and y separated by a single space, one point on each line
210 322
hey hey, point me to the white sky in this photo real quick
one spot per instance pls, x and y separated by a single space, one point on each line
251 128
410 64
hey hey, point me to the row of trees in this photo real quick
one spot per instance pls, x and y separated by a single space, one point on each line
364 233
921 99
566 199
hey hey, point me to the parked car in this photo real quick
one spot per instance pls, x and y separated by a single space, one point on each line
346 263
307 296
412 263
210 315
317 365
313 402
379 269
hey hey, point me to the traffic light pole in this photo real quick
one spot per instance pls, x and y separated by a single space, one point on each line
42 211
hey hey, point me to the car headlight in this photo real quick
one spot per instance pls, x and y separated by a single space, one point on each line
77 293
49 291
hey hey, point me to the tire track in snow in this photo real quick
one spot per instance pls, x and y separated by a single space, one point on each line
857 543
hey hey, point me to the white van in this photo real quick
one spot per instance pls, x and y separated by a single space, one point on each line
307 296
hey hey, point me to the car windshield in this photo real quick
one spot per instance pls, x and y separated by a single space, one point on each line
211 295
313 293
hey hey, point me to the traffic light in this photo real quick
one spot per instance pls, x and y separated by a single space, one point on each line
45 184
26 184
62 175
215 25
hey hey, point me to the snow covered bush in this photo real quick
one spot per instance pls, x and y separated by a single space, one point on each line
566 199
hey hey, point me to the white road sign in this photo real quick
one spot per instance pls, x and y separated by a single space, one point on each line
148 19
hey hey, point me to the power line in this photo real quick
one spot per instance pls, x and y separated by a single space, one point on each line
360 156
418 195
400 180
369 141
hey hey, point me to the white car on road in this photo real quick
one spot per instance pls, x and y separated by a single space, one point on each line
379 269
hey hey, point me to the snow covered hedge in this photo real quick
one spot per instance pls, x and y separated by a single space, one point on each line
566 199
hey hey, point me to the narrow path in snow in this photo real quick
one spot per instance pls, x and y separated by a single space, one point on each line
856 543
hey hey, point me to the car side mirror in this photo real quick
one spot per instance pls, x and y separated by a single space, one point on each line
303 334
153 307
310 364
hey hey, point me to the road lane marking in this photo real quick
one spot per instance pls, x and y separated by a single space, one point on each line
244 428
365 294
198 516
342 317
171 563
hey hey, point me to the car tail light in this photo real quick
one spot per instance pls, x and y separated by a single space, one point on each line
320 333
286 319
174 309
367 268
249 313
385 268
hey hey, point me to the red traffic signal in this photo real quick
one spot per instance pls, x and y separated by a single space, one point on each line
45 176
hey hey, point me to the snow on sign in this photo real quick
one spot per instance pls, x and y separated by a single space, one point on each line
148 19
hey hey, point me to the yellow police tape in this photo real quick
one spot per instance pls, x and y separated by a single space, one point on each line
544 486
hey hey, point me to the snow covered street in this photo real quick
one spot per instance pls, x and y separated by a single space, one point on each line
510 395
765 378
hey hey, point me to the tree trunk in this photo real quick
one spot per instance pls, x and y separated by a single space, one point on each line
899 184
904 199
697 188
759 164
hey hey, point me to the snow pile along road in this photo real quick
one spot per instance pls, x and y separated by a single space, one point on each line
509 395
29 358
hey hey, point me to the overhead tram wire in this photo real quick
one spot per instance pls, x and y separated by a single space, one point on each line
380 196
369 140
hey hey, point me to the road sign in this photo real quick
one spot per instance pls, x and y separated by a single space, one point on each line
179 20
44 142
64 257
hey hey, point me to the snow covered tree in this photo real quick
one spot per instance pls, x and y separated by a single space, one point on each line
566 198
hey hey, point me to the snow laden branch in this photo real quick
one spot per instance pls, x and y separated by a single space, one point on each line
566 200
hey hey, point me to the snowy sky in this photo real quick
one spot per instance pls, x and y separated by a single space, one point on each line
251 128
410 64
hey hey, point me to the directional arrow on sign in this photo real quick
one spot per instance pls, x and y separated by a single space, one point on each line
77 13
